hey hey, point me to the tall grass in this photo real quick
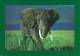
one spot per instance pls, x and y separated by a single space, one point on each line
13 39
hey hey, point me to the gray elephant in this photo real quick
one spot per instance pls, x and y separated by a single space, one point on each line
36 24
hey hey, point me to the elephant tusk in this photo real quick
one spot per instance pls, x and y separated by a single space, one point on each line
51 37
40 34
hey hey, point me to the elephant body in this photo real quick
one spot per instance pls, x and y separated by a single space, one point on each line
35 19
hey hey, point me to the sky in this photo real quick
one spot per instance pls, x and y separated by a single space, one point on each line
65 22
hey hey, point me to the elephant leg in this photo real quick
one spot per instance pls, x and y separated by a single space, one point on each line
26 43
25 37
36 40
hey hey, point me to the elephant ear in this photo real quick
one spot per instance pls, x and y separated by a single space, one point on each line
53 14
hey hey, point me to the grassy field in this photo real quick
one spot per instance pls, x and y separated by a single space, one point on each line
61 38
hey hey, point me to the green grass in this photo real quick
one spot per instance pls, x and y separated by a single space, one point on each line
60 38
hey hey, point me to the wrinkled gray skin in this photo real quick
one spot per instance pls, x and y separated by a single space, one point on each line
35 19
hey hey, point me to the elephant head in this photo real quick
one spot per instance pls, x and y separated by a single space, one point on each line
47 19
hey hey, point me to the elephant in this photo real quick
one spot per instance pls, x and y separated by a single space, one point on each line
36 24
